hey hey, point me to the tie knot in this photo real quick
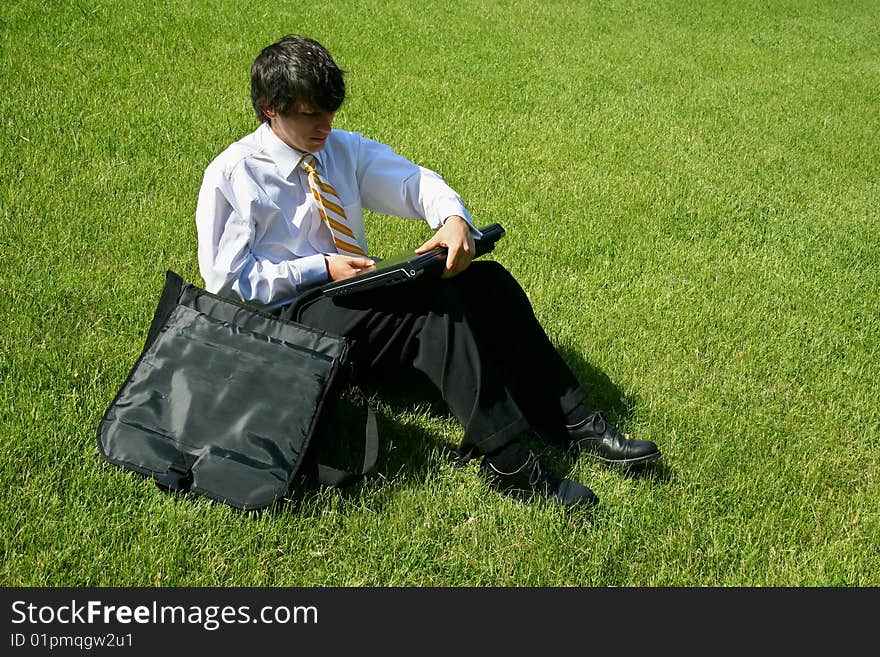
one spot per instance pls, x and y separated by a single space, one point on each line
309 163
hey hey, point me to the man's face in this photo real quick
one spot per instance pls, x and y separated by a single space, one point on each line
304 128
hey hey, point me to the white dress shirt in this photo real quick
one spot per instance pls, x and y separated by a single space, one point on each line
260 236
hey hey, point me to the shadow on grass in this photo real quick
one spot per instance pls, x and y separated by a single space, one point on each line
602 394
407 449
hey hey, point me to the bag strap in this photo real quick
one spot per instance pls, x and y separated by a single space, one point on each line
170 294
291 312
326 474
330 476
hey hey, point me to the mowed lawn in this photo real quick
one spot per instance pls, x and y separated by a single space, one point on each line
690 193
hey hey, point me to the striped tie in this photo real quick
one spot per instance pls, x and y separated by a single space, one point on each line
330 208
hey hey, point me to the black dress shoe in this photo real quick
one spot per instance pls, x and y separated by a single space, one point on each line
596 436
534 478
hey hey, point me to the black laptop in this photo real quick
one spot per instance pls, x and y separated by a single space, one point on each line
409 265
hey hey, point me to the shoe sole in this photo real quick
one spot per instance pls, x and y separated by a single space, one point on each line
647 458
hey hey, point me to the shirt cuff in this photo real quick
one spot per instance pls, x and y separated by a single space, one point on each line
439 209
475 232
312 269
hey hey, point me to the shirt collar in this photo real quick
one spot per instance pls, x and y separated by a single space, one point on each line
285 157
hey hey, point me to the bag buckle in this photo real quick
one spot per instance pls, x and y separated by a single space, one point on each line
177 478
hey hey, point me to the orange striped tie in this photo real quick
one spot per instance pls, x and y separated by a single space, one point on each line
330 208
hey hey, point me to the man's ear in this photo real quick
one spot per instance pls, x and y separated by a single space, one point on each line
271 113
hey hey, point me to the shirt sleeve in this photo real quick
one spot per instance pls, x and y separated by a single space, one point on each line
391 184
228 206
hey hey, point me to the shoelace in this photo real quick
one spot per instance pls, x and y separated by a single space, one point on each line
599 423
536 475
595 419
535 468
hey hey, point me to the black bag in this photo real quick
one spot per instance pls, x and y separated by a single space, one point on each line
227 401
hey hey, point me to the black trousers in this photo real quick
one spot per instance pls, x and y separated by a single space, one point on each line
476 339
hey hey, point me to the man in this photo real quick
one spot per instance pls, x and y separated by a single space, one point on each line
281 211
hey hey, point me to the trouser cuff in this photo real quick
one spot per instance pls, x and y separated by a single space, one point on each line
470 449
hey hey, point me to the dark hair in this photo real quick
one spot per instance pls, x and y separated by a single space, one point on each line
295 68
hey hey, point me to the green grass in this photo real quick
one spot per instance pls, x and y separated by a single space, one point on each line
690 193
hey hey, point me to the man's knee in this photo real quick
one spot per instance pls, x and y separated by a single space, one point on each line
488 272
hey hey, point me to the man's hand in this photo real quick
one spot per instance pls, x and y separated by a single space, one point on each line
455 235
340 267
